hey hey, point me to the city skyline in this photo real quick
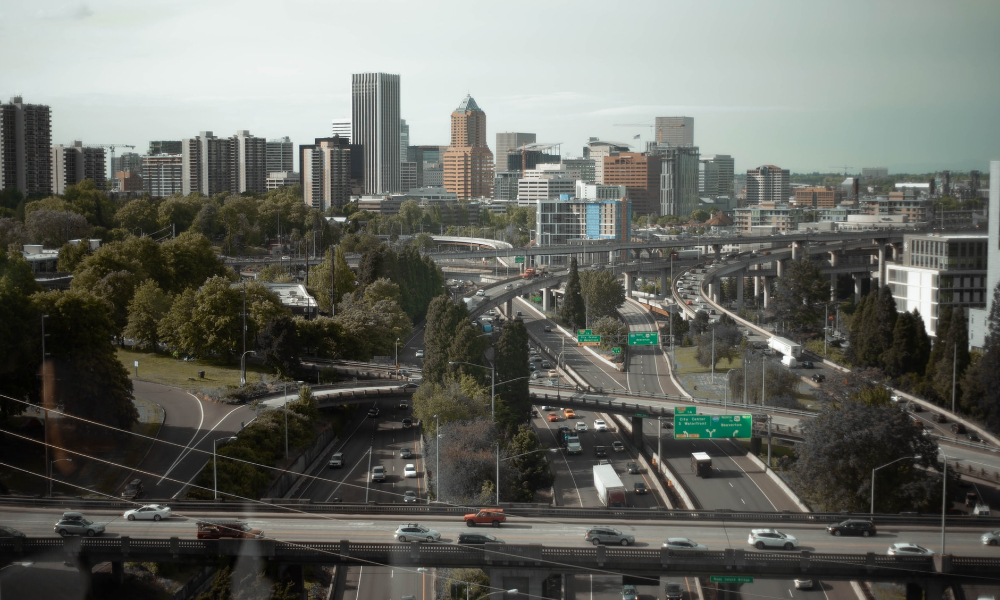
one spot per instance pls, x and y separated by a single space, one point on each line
892 90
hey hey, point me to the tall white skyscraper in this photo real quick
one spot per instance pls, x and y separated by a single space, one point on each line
375 125
404 139
342 127
676 131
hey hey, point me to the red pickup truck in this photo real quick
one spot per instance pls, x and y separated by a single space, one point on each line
493 516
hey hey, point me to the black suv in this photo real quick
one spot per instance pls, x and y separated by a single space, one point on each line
601 451
818 378
853 527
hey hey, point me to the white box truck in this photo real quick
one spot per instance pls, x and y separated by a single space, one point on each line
609 486
786 347
789 361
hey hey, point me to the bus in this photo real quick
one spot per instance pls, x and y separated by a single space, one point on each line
701 464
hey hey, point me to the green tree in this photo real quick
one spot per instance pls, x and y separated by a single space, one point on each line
371 327
87 200
54 228
799 296
602 294
988 368
138 213
278 344
512 371
910 346
700 216
149 305
612 331
191 260
877 323
954 358
178 212
20 333
71 255
573 311
319 337
322 276
530 471
443 319
843 444
454 400
93 383
727 339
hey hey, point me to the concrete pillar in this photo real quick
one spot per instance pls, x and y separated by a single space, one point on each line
767 290
664 286
611 257
545 299
527 583
833 287
780 266
717 249
740 281
857 287
833 258
629 283
881 265
795 251
713 290
509 308
758 288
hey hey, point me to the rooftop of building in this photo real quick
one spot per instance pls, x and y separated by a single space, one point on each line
468 105
982 237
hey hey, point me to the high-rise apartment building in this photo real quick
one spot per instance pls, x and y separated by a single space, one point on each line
279 155
280 179
640 174
213 165
468 162
404 140
74 163
767 184
508 142
129 162
162 174
25 147
678 180
674 131
342 127
580 168
598 149
715 176
248 169
326 172
375 125
164 147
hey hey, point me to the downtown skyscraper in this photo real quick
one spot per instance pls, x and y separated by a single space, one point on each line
468 162
375 125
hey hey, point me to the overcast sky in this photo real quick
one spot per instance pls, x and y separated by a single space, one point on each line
912 85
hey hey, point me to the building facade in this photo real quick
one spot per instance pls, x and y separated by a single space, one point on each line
937 271
408 176
248 167
597 150
640 174
468 162
127 162
818 197
546 182
910 203
510 141
678 180
280 153
874 172
326 172
767 184
675 131
164 147
280 179
978 325
560 220
583 169
404 139
715 176
25 147
162 174
505 185
780 217
342 127
74 163
375 126
212 165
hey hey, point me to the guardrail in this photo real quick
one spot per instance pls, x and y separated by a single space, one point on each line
869 566
717 517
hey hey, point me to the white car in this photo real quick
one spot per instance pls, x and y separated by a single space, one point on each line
416 533
803 584
683 544
150 512
409 470
481 293
420 354
771 538
581 426
600 425
908 549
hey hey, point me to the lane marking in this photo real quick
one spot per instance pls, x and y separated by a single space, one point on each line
201 421
208 433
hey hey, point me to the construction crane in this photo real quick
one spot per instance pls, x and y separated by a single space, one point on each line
114 183
651 126
841 166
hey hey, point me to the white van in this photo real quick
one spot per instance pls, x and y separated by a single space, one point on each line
789 361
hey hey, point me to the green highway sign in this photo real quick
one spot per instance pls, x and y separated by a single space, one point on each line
642 415
643 338
583 339
585 331
730 579
616 350
518 260
685 410
712 426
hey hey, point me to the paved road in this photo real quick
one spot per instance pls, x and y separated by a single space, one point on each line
190 423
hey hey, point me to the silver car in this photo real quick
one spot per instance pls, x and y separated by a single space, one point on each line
771 538
608 535
74 523
683 545
990 538
416 533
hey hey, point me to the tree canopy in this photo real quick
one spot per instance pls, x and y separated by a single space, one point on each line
602 294
573 310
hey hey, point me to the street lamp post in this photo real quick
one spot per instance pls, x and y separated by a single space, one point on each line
872 510
243 366
215 478
515 456
397 356
437 457
52 471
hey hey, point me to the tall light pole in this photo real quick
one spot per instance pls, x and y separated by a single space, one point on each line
954 366
917 457
243 364
944 497
437 456
285 410
45 403
397 356
215 478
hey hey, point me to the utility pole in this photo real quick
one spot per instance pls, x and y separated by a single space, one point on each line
48 465
243 367
954 365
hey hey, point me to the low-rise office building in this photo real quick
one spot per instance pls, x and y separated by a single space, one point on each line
768 214
558 221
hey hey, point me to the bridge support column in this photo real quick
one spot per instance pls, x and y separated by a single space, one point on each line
713 290
86 577
664 283
117 573
611 257
717 250
881 265
857 287
296 573
767 290
509 308
834 256
740 281
629 284
780 267
527 583
569 586
833 288
545 299
796 247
